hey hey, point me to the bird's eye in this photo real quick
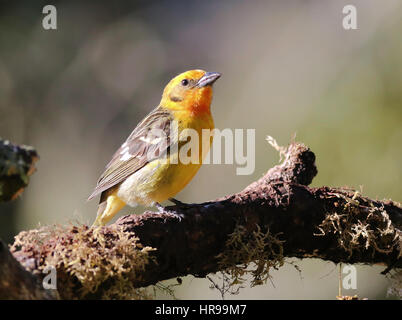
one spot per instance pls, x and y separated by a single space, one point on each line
184 82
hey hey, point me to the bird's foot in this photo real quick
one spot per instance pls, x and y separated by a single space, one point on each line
161 209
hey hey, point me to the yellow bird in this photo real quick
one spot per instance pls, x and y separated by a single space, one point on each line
148 168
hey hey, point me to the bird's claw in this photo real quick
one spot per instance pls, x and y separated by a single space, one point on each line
161 210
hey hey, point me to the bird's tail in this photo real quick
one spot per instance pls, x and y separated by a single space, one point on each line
101 209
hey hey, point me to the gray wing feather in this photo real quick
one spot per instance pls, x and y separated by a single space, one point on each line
138 147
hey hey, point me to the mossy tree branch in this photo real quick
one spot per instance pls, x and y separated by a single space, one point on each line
333 224
279 216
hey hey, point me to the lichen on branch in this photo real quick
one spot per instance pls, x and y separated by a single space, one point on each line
90 263
362 225
257 251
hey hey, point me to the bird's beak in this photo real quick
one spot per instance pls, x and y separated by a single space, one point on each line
208 79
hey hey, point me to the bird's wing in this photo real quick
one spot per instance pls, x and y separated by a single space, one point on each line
148 141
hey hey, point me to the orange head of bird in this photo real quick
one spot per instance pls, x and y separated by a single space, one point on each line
190 91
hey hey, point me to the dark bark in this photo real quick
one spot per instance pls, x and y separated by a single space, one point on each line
17 163
16 282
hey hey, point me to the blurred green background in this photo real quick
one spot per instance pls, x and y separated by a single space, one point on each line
76 93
